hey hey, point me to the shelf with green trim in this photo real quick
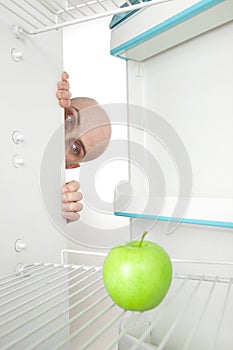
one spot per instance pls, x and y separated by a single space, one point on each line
213 212
213 223
165 25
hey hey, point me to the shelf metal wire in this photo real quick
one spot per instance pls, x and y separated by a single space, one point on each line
39 16
62 306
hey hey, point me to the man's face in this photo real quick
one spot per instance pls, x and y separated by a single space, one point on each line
87 133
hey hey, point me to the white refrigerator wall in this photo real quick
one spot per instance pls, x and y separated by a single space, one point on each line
190 86
30 68
93 71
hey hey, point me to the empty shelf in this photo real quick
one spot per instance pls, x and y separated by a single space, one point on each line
51 306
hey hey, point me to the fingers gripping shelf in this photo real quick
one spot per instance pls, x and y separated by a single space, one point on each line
40 16
51 306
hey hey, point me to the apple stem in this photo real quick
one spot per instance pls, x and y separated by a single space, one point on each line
142 239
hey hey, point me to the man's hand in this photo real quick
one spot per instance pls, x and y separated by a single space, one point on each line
71 198
63 94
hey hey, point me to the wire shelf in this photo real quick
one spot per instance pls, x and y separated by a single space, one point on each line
51 306
40 16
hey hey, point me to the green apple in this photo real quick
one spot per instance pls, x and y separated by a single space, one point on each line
137 274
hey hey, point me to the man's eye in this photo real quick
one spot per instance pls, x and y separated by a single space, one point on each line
69 121
76 148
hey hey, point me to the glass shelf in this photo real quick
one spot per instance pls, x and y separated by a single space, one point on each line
155 31
214 223
213 212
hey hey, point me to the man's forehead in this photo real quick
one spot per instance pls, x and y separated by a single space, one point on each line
92 118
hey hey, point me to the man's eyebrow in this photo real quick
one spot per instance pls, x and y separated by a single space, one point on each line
78 117
83 147
80 141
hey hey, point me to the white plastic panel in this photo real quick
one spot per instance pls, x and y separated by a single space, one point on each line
30 117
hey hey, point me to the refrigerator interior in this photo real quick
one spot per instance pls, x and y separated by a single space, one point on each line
52 296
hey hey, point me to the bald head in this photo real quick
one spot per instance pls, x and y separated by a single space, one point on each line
82 103
90 133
